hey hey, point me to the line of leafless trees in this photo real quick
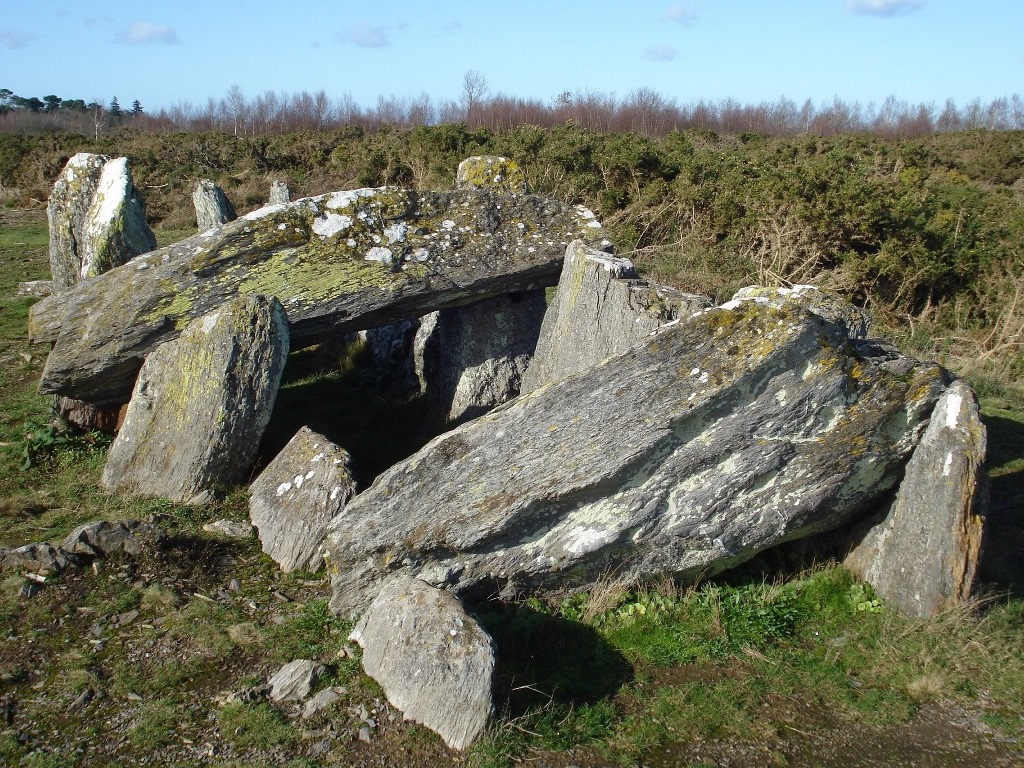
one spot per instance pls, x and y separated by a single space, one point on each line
642 111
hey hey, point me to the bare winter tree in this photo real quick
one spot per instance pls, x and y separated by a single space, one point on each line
474 95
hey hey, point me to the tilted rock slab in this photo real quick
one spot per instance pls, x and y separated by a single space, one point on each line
339 262
293 499
601 308
201 404
212 206
923 557
472 358
97 219
434 661
723 435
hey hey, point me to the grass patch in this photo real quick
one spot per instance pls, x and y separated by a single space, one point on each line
258 726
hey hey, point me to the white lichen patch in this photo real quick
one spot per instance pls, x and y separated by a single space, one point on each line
267 210
283 488
583 539
210 321
396 233
298 480
448 225
331 224
952 405
383 255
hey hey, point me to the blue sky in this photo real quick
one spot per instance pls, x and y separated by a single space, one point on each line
750 50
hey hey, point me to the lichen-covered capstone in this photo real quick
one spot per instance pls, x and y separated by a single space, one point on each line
97 219
923 557
854 321
293 499
201 403
601 308
722 435
433 660
339 262
212 206
472 358
491 172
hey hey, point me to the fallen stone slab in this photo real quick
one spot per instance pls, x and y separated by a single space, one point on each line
300 491
201 403
41 558
433 660
923 557
723 435
339 262
601 308
96 217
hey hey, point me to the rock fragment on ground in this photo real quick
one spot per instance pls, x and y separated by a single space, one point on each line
433 660
295 681
103 538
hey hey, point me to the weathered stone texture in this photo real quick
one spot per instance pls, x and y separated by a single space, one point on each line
96 217
923 557
725 434
213 209
103 538
279 193
853 321
434 661
340 262
295 681
201 403
601 308
472 358
294 498
491 172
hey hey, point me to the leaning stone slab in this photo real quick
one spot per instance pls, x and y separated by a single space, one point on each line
434 661
96 217
723 435
201 404
339 262
294 498
923 557
854 321
212 206
491 172
104 538
472 358
601 308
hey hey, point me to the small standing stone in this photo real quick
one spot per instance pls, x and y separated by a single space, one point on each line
491 172
279 192
212 206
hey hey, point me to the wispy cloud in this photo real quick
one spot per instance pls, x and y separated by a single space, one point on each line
13 38
453 26
93 21
681 13
366 36
883 7
145 32
663 52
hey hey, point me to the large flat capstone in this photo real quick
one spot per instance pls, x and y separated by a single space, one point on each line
724 434
339 262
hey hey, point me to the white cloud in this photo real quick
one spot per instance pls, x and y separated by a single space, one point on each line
681 13
13 38
663 52
143 32
366 36
883 7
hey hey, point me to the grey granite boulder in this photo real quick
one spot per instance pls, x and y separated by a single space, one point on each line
491 172
201 403
727 433
293 499
472 358
212 206
96 217
923 557
601 308
433 660
340 262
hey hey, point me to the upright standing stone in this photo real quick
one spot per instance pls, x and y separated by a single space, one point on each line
923 557
279 192
212 206
201 403
491 172
472 358
601 308
97 219
434 662
294 498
